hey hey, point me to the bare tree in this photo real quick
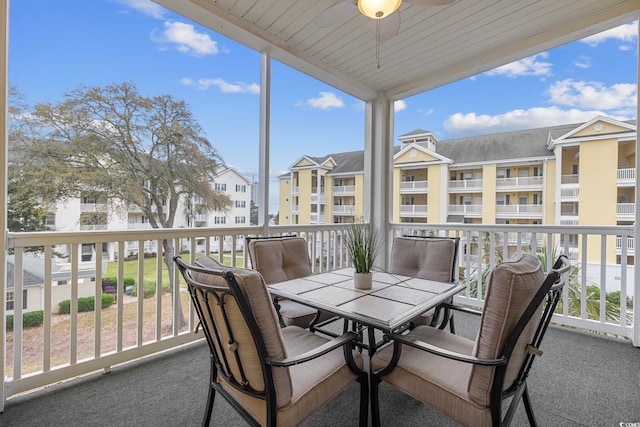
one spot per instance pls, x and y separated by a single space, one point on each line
146 151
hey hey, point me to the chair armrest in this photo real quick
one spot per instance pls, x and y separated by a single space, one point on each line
421 345
316 352
462 309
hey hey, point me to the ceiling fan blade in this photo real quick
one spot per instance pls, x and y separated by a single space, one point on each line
389 26
339 12
430 2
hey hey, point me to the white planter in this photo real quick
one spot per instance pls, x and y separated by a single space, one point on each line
362 280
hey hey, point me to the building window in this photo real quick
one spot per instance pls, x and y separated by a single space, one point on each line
51 219
11 300
240 204
502 199
220 186
240 220
241 188
220 220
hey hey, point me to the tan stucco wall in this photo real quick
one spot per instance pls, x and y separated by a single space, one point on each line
436 187
598 190
284 210
489 194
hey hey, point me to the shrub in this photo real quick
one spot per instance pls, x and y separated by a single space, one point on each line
109 284
85 304
149 289
30 319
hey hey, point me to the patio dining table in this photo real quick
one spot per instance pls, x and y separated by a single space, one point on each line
391 303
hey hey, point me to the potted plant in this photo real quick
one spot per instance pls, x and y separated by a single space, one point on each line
363 244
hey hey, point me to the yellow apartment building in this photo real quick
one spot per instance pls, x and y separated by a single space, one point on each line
575 174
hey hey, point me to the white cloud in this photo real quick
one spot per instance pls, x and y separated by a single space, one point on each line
225 87
593 95
399 105
325 101
469 124
145 6
531 66
625 33
583 61
186 39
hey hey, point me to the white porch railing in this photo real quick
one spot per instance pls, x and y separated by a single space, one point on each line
465 185
519 182
411 210
135 334
341 190
482 247
627 176
414 186
520 211
344 209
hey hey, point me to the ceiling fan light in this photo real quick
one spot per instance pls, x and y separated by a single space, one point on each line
378 9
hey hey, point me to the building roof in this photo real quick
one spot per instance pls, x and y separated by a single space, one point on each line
497 147
529 143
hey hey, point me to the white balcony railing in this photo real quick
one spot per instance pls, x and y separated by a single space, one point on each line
344 190
344 210
414 186
129 338
627 176
465 185
523 182
519 211
93 207
570 179
626 210
413 210
468 210
630 247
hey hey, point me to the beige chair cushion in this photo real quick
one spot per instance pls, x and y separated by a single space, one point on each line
280 259
255 291
511 286
313 383
430 259
437 381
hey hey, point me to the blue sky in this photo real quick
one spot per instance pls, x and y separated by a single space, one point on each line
55 46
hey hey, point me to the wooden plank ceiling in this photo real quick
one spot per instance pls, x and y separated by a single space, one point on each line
435 45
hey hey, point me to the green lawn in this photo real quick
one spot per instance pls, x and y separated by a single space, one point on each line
131 267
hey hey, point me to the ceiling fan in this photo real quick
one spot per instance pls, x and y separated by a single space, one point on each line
384 13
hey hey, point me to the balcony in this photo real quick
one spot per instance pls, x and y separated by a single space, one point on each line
465 186
93 207
627 177
414 187
471 211
625 211
413 210
519 211
561 364
568 180
525 183
344 190
348 210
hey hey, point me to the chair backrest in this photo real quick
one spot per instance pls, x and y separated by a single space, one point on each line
432 258
280 258
241 327
512 320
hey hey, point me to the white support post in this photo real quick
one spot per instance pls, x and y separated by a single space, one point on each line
378 171
265 122
4 89
636 276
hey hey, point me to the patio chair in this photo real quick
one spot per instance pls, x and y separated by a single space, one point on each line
468 380
431 258
272 376
283 258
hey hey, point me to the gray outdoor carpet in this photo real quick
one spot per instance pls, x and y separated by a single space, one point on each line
582 380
